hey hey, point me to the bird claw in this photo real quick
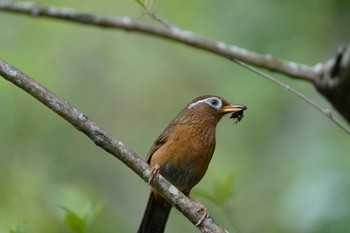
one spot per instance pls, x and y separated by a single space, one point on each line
205 213
154 172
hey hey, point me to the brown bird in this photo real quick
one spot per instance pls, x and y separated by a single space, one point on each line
182 154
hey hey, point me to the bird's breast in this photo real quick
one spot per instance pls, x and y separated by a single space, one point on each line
185 157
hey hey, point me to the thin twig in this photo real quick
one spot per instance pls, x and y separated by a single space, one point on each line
264 75
153 15
291 69
104 140
325 112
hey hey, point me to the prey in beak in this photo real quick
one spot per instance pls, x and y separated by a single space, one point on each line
237 111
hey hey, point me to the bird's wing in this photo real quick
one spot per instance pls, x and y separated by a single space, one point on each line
161 140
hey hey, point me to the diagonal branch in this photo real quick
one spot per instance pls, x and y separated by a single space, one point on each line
231 52
112 145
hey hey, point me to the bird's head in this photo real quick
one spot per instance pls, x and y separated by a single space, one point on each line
209 109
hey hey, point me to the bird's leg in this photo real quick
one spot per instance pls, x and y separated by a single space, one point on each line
154 172
201 207
204 216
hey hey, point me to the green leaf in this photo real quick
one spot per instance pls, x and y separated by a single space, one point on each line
146 4
73 221
18 229
142 3
91 214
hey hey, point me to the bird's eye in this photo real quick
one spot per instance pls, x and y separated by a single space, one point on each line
215 102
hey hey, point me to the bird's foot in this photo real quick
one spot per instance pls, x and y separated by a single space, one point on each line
154 172
201 208
204 216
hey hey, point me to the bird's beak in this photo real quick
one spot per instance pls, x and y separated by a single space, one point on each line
233 108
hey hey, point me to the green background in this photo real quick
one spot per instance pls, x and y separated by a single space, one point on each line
284 168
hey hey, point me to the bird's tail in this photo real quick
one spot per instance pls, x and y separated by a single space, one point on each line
156 215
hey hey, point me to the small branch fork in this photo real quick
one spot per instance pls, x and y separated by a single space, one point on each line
113 146
325 112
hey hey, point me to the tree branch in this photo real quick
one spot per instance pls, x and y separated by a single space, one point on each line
231 52
104 140
334 81
322 75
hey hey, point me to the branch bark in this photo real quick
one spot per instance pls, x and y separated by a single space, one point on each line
110 144
331 78
334 82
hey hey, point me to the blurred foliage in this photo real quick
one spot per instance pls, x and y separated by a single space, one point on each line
283 168
18 229
84 223
221 191
74 221
146 4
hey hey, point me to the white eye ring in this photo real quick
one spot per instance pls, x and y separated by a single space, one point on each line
213 102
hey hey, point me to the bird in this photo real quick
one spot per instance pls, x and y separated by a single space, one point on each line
182 154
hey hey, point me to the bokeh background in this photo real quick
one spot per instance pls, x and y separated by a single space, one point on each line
284 168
